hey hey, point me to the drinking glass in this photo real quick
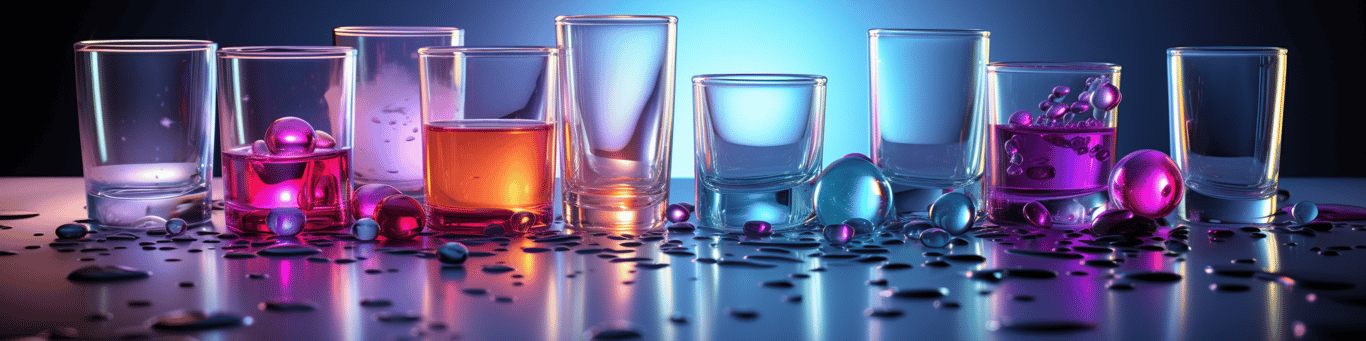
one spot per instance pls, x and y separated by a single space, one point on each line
270 159
618 119
388 146
1226 107
927 90
489 131
758 140
146 109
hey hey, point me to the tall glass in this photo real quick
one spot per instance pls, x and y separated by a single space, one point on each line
618 119
146 109
927 90
270 159
489 129
1226 113
388 147
1052 140
758 140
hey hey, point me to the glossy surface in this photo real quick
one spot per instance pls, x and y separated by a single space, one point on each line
1146 182
708 289
400 217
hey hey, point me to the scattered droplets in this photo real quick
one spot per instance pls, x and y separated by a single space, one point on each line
290 135
192 320
1146 182
286 221
1122 222
400 217
953 212
852 187
935 237
453 253
365 229
860 225
1305 212
838 234
367 197
1036 214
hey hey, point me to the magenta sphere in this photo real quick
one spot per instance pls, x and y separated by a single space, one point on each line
1146 182
400 217
323 140
366 197
290 135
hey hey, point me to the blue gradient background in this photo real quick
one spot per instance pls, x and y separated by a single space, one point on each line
1321 131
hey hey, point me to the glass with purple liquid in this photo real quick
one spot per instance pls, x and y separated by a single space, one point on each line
1051 140
285 113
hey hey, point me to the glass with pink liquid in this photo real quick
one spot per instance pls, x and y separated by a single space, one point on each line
1051 140
285 113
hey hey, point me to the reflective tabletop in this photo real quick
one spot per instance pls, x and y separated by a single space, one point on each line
1234 282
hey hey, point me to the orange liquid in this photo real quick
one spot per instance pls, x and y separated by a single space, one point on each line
481 172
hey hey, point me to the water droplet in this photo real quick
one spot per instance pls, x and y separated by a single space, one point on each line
286 221
1106 97
934 237
106 273
954 212
1021 118
743 313
191 320
1036 214
677 213
72 231
280 305
365 229
367 197
1153 276
838 234
175 226
453 253
290 135
1305 212
399 217
852 188
1146 182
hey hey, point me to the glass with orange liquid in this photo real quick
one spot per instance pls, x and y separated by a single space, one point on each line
488 136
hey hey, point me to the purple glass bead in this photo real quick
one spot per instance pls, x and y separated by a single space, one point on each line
677 213
1122 222
366 197
290 135
935 238
1106 97
1061 90
1045 105
365 229
522 221
1079 107
1084 97
758 228
838 234
286 221
400 217
323 140
1036 214
1021 118
259 148
1146 182
859 155
1056 110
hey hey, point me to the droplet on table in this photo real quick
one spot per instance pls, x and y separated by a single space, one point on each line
72 231
290 135
400 217
1147 183
1106 97
677 213
286 221
1305 212
1122 222
106 273
935 237
838 234
953 212
175 226
852 187
758 228
11 215
453 253
367 197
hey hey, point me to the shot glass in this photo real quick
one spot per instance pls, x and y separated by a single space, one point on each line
758 140
388 145
1225 106
488 117
928 102
618 119
1051 140
285 113
146 126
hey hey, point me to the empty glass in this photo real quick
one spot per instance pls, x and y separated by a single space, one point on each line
618 119
758 140
1226 108
388 148
146 109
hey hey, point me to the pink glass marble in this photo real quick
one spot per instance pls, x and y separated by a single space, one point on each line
1036 214
367 197
400 217
290 135
1146 182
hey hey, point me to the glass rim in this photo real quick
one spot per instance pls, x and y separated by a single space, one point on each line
144 45
903 32
1226 51
759 79
287 52
616 20
398 31
487 51
1052 66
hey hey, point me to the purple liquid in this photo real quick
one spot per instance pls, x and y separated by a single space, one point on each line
317 183
1031 163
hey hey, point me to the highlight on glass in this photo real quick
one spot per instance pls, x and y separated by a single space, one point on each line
388 146
488 116
146 125
1051 140
758 139
927 90
618 119
1226 109
285 114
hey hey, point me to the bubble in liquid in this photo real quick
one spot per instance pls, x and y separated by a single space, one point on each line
677 213
1146 182
1305 212
852 188
400 217
453 253
1048 103
522 221
322 139
838 233
365 199
1012 146
290 135
285 221
1021 118
1057 109
860 225
1036 214
1079 107
1102 155
1043 172
1106 97
758 228
934 237
365 229
953 212
1014 169
259 148
1016 158
72 231
1061 90
175 226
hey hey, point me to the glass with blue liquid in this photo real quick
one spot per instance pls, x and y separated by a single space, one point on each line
758 153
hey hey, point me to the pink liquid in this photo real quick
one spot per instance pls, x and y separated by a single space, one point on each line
1045 163
317 183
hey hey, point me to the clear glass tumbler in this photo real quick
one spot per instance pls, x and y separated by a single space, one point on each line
758 140
285 114
927 90
1226 108
388 146
618 119
1051 140
146 126
488 117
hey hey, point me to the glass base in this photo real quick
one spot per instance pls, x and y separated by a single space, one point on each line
729 210
1198 207
412 187
243 219
473 222
1075 211
628 214
193 206
916 201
